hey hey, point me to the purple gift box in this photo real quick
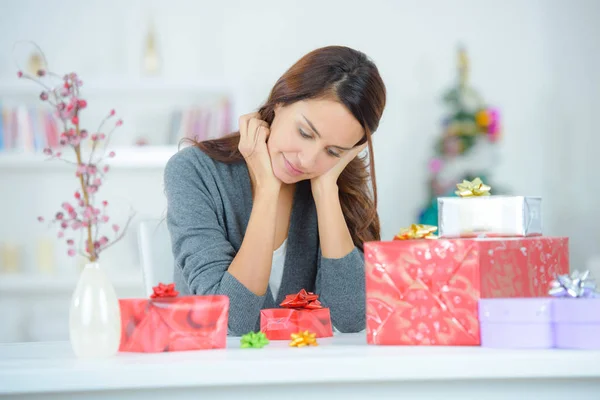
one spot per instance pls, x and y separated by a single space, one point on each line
516 323
576 323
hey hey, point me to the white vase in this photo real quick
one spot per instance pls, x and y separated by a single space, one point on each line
95 317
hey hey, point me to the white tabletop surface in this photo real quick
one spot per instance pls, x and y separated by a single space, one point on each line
52 367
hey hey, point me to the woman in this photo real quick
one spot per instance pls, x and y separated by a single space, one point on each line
284 204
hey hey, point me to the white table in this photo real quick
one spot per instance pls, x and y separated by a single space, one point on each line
343 367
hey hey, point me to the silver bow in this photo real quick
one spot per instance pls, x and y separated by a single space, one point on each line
575 285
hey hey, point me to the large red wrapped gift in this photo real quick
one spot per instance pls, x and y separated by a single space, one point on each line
169 323
426 292
302 312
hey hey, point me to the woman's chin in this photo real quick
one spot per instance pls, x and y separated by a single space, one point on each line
286 178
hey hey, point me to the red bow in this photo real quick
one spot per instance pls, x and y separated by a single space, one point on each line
163 290
302 299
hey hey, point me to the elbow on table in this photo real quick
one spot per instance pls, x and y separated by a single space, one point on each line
350 323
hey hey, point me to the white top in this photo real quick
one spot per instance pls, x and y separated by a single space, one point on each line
51 366
277 268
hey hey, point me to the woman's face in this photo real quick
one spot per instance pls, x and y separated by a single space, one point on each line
309 137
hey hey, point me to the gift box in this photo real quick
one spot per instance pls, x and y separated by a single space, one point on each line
490 216
576 323
426 292
169 323
516 323
301 312
576 311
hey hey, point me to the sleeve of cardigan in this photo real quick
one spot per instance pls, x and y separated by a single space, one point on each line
200 246
340 285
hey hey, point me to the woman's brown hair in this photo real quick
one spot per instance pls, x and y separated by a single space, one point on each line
341 74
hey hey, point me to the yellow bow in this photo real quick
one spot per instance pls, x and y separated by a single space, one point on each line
417 231
474 188
302 339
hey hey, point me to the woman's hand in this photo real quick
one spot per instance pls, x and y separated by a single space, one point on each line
327 183
253 146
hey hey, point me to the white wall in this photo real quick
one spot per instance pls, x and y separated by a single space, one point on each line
539 61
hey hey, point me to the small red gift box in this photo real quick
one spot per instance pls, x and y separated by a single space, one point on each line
302 312
426 292
170 323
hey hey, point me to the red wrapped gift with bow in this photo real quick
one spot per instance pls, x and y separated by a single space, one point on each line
166 322
301 311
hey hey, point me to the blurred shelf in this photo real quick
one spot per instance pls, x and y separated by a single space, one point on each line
144 86
39 283
142 157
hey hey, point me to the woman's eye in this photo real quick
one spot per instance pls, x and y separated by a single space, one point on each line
333 153
304 134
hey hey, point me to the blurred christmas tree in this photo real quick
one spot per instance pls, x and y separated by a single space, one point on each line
467 147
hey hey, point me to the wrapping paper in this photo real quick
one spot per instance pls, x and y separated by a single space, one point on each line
516 323
281 323
174 323
426 292
490 216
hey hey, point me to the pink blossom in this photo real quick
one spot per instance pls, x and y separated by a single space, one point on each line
82 213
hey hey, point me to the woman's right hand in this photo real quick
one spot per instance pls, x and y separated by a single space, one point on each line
253 146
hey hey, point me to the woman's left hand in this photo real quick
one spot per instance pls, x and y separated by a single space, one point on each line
328 181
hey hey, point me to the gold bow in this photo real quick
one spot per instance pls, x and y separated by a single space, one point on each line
473 188
417 231
302 339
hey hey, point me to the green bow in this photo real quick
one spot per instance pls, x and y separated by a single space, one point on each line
254 340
